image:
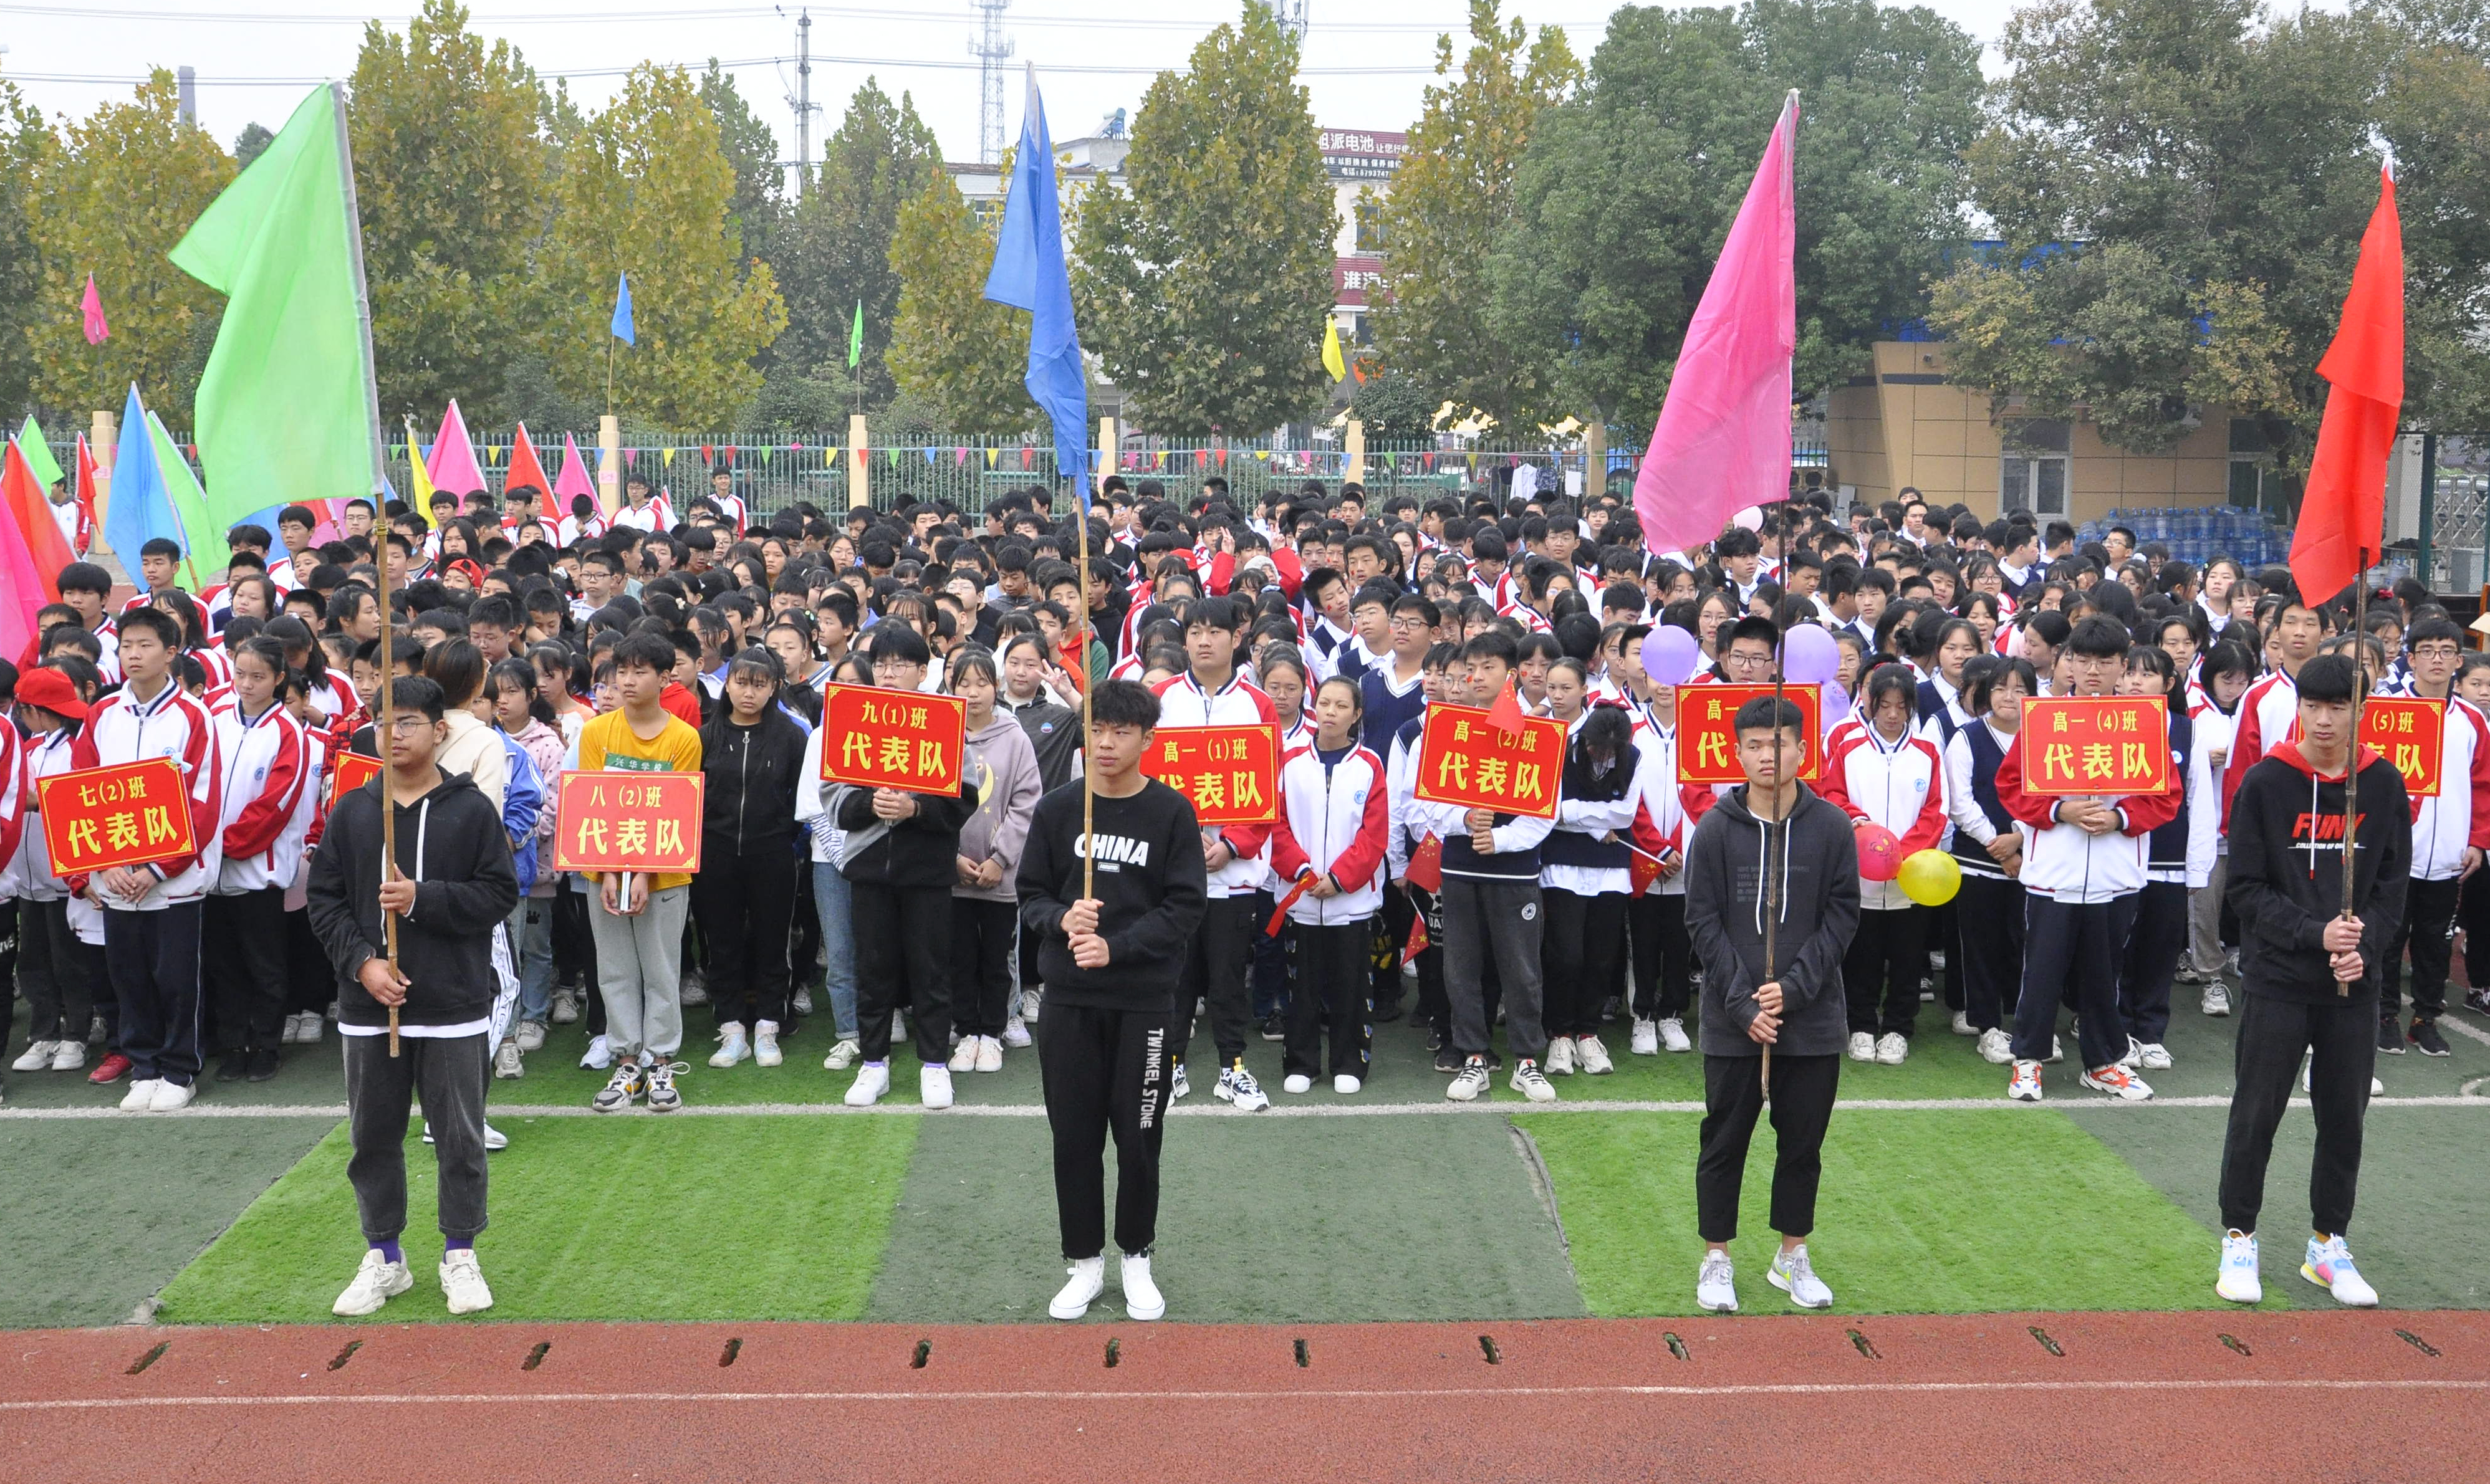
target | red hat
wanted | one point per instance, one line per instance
(52, 690)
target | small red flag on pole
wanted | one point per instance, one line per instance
(2343, 517)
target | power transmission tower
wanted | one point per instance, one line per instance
(802, 102)
(992, 49)
(1292, 15)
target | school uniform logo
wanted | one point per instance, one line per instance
(1113, 852)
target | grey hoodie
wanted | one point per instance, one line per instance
(1817, 893)
(1003, 765)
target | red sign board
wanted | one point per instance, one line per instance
(914, 741)
(130, 814)
(1230, 773)
(1707, 732)
(351, 772)
(1463, 759)
(2095, 746)
(2410, 733)
(629, 820)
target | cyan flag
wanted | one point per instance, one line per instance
(141, 508)
(1028, 274)
(623, 310)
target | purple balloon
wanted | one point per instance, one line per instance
(1809, 655)
(1837, 705)
(1671, 655)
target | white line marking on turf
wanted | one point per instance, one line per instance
(2463, 1027)
(1344, 1394)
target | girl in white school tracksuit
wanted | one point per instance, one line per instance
(1887, 771)
(266, 764)
(1333, 834)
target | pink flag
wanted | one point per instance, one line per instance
(574, 479)
(452, 465)
(22, 587)
(1723, 442)
(92, 305)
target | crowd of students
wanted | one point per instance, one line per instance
(696, 643)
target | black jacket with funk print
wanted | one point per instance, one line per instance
(2286, 873)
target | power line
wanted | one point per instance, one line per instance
(730, 13)
(1083, 68)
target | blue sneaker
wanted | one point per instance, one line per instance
(2330, 1267)
(2237, 1280)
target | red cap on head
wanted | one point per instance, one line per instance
(52, 690)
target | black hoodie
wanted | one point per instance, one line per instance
(451, 844)
(2286, 873)
(1818, 896)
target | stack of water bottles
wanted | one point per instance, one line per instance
(2198, 533)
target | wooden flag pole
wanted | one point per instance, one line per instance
(2352, 756)
(384, 737)
(1089, 789)
(1772, 888)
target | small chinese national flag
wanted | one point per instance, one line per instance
(1417, 943)
(1506, 714)
(1426, 866)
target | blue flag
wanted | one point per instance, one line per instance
(1028, 274)
(623, 310)
(141, 508)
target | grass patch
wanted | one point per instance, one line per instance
(1920, 1213)
(622, 1218)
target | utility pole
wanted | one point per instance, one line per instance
(992, 49)
(804, 104)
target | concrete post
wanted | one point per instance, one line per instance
(609, 465)
(1353, 464)
(859, 463)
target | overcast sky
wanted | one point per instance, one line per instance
(1366, 64)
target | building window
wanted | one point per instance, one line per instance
(1369, 217)
(2251, 464)
(2032, 471)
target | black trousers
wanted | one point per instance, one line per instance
(746, 904)
(1734, 1096)
(1267, 970)
(60, 974)
(153, 959)
(1329, 980)
(2473, 915)
(1945, 933)
(1433, 1007)
(446, 1073)
(2154, 940)
(1663, 955)
(1391, 934)
(1880, 973)
(1580, 947)
(1991, 959)
(242, 948)
(902, 935)
(984, 935)
(2429, 915)
(1214, 970)
(2070, 949)
(311, 978)
(1103, 1071)
(2343, 1045)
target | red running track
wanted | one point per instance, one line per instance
(2183, 1397)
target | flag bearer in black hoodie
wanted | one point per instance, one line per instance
(2309, 972)
(1112, 963)
(451, 884)
(901, 860)
(1793, 1004)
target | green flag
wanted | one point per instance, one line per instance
(286, 413)
(855, 337)
(190, 503)
(39, 454)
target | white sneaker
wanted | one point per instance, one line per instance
(1560, 1057)
(659, 1081)
(933, 1085)
(2025, 1085)
(600, 1054)
(1346, 1085)
(1178, 1088)
(2329, 1266)
(802, 1001)
(1863, 1046)
(290, 1031)
(2057, 1051)
(1016, 1034)
(2154, 1057)
(1996, 1046)
(990, 1054)
(1592, 1056)
(376, 1282)
(1088, 1281)
(1645, 1040)
(2119, 1082)
(1297, 1082)
(1962, 1025)
(531, 1036)
(1794, 1275)
(1530, 1083)
(68, 1056)
(842, 1056)
(312, 1025)
(2236, 1278)
(695, 989)
(507, 1064)
(1142, 1300)
(765, 1045)
(2134, 1057)
(1031, 998)
(38, 1057)
(1673, 1036)
(1469, 1082)
(142, 1095)
(566, 1008)
(1716, 1285)
(2217, 998)
(1893, 1049)
(1237, 1086)
(871, 1081)
(732, 1047)
(964, 1056)
(462, 1281)
(172, 1097)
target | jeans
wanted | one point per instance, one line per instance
(531, 935)
(834, 904)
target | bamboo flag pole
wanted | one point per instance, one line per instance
(1088, 744)
(384, 736)
(1772, 888)
(2352, 758)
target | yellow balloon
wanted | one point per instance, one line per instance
(1930, 878)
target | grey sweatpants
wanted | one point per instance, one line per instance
(639, 971)
(1485, 917)
(2205, 920)
(448, 1074)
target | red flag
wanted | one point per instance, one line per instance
(1506, 714)
(25, 497)
(1426, 866)
(1417, 943)
(86, 471)
(2343, 517)
(526, 471)
(1280, 913)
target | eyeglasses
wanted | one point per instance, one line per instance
(406, 723)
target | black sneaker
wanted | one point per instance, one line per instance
(236, 1063)
(263, 1063)
(1273, 1030)
(2426, 1035)
(2391, 1037)
(1447, 1059)
(1387, 1012)
(1435, 1038)
(2478, 1001)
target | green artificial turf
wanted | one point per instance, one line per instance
(1919, 1213)
(624, 1218)
(97, 1214)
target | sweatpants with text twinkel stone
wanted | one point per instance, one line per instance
(1105, 1071)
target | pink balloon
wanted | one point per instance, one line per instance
(1809, 655)
(1749, 519)
(1671, 655)
(1880, 854)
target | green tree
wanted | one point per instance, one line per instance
(836, 250)
(1626, 192)
(253, 138)
(110, 197)
(650, 165)
(1202, 280)
(951, 347)
(753, 150)
(23, 139)
(1394, 405)
(454, 178)
(1449, 206)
